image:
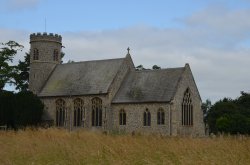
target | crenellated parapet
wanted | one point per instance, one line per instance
(45, 37)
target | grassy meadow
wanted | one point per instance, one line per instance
(58, 147)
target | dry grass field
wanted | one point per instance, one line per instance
(57, 147)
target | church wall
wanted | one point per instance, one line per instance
(134, 118)
(197, 129)
(50, 108)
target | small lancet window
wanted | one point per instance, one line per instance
(160, 117)
(146, 118)
(55, 55)
(187, 109)
(60, 113)
(122, 117)
(35, 54)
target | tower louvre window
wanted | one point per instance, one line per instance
(187, 109)
(55, 55)
(36, 54)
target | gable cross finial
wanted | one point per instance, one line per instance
(128, 50)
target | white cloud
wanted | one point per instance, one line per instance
(222, 21)
(16, 5)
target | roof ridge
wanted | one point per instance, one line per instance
(93, 61)
(158, 70)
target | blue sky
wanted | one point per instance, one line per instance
(78, 15)
(213, 36)
(94, 15)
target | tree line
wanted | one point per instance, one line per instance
(231, 116)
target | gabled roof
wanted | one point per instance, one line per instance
(82, 78)
(149, 86)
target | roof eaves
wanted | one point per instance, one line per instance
(72, 63)
(44, 96)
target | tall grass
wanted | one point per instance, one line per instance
(54, 146)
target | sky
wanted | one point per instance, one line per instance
(213, 36)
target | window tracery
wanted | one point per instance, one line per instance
(96, 112)
(60, 113)
(187, 109)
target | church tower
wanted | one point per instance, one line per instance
(45, 54)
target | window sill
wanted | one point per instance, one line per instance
(187, 125)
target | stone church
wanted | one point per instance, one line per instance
(111, 95)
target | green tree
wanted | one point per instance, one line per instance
(244, 103)
(233, 124)
(7, 108)
(30, 109)
(20, 110)
(230, 116)
(21, 76)
(155, 67)
(7, 52)
(223, 124)
(220, 108)
(140, 67)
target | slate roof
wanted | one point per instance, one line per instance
(82, 78)
(149, 86)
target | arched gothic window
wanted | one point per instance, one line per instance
(78, 112)
(187, 109)
(96, 112)
(60, 113)
(55, 55)
(146, 118)
(122, 117)
(160, 117)
(35, 54)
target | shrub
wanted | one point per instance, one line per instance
(20, 110)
